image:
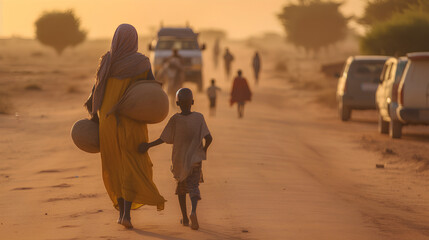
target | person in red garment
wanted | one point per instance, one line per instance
(240, 93)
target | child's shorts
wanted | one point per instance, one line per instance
(191, 184)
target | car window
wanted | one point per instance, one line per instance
(400, 69)
(366, 70)
(385, 71)
(176, 44)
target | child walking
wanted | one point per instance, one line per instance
(212, 94)
(186, 131)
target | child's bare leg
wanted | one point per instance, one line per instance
(193, 216)
(194, 194)
(194, 201)
(126, 220)
(182, 202)
(121, 209)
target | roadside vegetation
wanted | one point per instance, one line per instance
(59, 30)
(313, 24)
(395, 27)
(382, 10)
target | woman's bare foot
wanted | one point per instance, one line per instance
(194, 221)
(184, 222)
(119, 220)
(127, 223)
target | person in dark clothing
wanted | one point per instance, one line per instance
(240, 93)
(256, 64)
(228, 59)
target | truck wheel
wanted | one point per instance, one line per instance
(344, 112)
(383, 126)
(395, 129)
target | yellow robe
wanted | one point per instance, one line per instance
(126, 172)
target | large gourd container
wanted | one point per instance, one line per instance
(85, 135)
(144, 101)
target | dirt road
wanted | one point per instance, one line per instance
(288, 170)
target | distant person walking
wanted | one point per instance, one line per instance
(228, 59)
(127, 175)
(216, 52)
(173, 71)
(212, 94)
(240, 93)
(256, 64)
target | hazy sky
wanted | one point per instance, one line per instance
(240, 18)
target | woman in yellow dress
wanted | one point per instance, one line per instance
(127, 174)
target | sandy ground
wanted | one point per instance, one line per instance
(289, 170)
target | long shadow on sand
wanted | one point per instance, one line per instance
(364, 121)
(214, 234)
(218, 235)
(155, 235)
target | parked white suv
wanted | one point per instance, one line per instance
(358, 83)
(185, 40)
(387, 93)
(413, 94)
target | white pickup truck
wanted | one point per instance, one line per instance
(413, 94)
(185, 40)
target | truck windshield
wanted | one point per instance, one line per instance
(176, 44)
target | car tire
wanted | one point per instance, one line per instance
(395, 129)
(383, 126)
(344, 112)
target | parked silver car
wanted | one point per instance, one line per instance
(358, 83)
(413, 94)
(387, 93)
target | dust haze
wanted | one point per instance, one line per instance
(289, 168)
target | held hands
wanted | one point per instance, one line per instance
(143, 147)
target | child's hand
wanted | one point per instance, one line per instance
(143, 147)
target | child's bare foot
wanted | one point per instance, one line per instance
(184, 222)
(127, 223)
(194, 221)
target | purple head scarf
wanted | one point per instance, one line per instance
(122, 61)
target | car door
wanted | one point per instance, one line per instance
(388, 85)
(382, 91)
(341, 86)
